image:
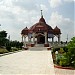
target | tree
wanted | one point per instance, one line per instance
(69, 56)
(71, 43)
(3, 39)
(16, 44)
(3, 34)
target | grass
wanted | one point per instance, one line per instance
(2, 50)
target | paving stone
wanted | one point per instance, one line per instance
(27, 62)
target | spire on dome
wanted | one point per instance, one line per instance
(41, 13)
(42, 19)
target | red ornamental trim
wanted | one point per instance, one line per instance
(60, 67)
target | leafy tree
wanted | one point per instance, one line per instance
(16, 44)
(3, 34)
(64, 61)
(67, 58)
(8, 48)
(3, 39)
(71, 43)
(70, 55)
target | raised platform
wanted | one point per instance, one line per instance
(46, 45)
(38, 45)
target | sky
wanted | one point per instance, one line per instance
(15, 15)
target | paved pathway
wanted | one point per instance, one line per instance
(31, 62)
(64, 72)
(27, 62)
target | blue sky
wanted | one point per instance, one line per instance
(15, 15)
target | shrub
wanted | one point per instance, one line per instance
(56, 49)
(71, 43)
(2, 50)
(8, 48)
(61, 51)
(67, 58)
(65, 49)
(72, 50)
(14, 49)
(63, 61)
(71, 54)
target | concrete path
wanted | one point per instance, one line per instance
(64, 72)
(27, 62)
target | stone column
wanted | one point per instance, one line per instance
(45, 37)
(28, 39)
(25, 41)
(52, 40)
(59, 39)
(36, 40)
(33, 38)
(22, 38)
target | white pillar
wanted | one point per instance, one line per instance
(36, 40)
(33, 38)
(52, 40)
(24, 41)
(28, 39)
(22, 38)
(45, 37)
(59, 39)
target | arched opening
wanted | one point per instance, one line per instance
(40, 39)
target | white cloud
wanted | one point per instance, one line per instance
(14, 18)
(43, 7)
(65, 24)
(17, 14)
(55, 3)
(69, 0)
(25, 4)
(55, 19)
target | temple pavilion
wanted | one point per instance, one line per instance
(40, 32)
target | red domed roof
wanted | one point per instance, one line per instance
(41, 26)
(56, 30)
(42, 19)
(25, 31)
(50, 29)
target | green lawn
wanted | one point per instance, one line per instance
(2, 50)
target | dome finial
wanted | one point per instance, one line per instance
(41, 14)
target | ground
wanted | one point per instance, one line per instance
(30, 62)
(27, 62)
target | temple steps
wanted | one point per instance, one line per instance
(38, 48)
(39, 45)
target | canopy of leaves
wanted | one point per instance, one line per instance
(68, 57)
(71, 43)
(3, 34)
(3, 39)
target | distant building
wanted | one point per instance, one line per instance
(41, 31)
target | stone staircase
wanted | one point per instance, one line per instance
(38, 48)
(39, 45)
